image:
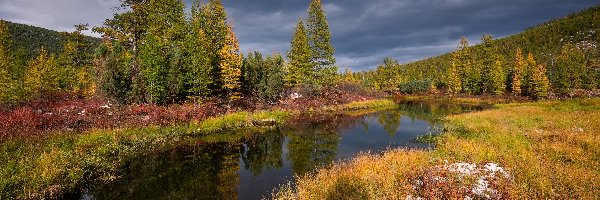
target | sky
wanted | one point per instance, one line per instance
(363, 31)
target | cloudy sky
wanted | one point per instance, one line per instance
(363, 31)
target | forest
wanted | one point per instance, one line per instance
(176, 57)
(563, 51)
(156, 53)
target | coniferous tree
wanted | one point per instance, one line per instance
(487, 62)
(230, 67)
(114, 69)
(213, 21)
(454, 80)
(528, 68)
(155, 68)
(497, 77)
(6, 82)
(75, 63)
(300, 68)
(198, 64)
(319, 37)
(540, 84)
(348, 76)
(517, 73)
(271, 85)
(468, 72)
(42, 75)
(569, 67)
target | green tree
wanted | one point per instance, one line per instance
(113, 65)
(213, 21)
(198, 65)
(299, 68)
(517, 73)
(540, 84)
(155, 68)
(41, 77)
(231, 64)
(569, 67)
(319, 37)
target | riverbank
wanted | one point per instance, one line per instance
(543, 150)
(55, 164)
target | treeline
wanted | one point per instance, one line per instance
(154, 52)
(566, 49)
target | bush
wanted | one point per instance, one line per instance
(417, 86)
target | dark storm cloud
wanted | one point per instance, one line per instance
(364, 31)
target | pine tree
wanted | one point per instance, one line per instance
(517, 73)
(454, 80)
(299, 68)
(319, 36)
(42, 75)
(6, 82)
(231, 64)
(487, 61)
(539, 82)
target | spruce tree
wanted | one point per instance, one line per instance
(487, 62)
(299, 68)
(517, 72)
(6, 82)
(230, 67)
(319, 37)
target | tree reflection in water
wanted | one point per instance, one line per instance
(212, 170)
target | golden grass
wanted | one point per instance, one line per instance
(552, 149)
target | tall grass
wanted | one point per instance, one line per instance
(551, 149)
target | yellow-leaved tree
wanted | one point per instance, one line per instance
(517, 72)
(231, 66)
(41, 76)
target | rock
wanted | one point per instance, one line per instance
(295, 95)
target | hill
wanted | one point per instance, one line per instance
(544, 41)
(27, 39)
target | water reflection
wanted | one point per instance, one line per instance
(252, 167)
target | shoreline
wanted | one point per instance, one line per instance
(55, 164)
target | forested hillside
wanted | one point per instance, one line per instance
(569, 41)
(28, 39)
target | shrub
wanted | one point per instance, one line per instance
(417, 86)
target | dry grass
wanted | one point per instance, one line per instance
(551, 149)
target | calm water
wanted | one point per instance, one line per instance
(252, 168)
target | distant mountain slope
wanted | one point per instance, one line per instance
(29, 39)
(544, 41)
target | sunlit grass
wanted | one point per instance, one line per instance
(551, 149)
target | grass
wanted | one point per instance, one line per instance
(47, 167)
(551, 150)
